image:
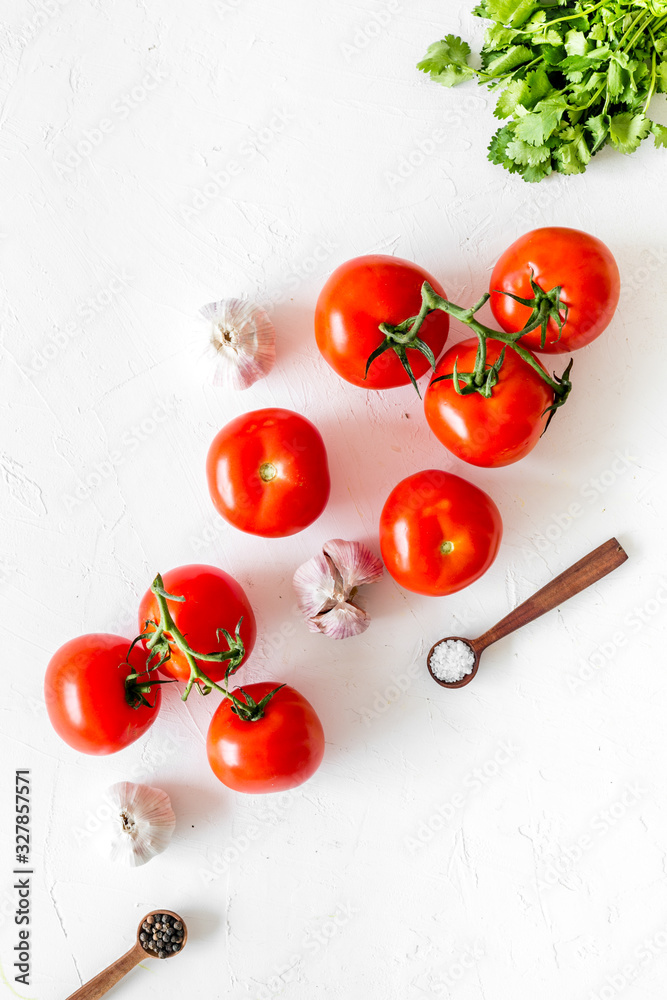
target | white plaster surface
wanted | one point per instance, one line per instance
(436, 851)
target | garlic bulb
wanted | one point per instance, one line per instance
(243, 342)
(326, 588)
(139, 826)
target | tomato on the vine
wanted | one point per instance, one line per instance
(213, 600)
(356, 299)
(438, 533)
(98, 697)
(273, 753)
(578, 264)
(268, 472)
(488, 431)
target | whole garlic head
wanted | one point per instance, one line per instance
(243, 342)
(326, 588)
(140, 824)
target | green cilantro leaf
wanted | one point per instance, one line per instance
(660, 134)
(515, 56)
(573, 155)
(498, 149)
(527, 155)
(576, 43)
(661, 73)
(511, 12)
(537, 173)
(499, 37)
(599, 129)
(627, 130)
(538, 125)
(447, 61)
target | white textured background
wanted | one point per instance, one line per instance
(422, 860)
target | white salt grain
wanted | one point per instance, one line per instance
(452, 660)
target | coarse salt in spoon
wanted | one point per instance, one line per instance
(454, 661)
(103, 982)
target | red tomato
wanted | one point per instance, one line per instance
(86, 697)
(279, 751)
(489, 432)
(359, 296)
(213, 600)
(581, 264)
(438, 533)
(268, 473)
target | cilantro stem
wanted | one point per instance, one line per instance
(559, 20)
(654, 77)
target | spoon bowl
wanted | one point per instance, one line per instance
(583, 574)
(155, 913)
(468, 677)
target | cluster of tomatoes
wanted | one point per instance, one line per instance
(102, 693)
(380, 322)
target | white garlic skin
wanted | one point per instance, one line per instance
(140, 825)
(327, 584)
(242, 343)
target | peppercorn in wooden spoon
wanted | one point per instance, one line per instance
(161, 934)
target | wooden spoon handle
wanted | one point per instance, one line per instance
(98, 986)
(587, 571)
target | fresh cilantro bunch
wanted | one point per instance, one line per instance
(574, 76)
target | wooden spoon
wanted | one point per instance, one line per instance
(583, 574)
(103, 982)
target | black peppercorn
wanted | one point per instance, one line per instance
(161, 934)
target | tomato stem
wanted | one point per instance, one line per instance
(401, 338)
(165, 633)
(483, 378)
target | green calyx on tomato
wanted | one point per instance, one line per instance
(400, 339)
(138, 685)
(164, 633)
(89, 703)
(545, 306)
(484, 377)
